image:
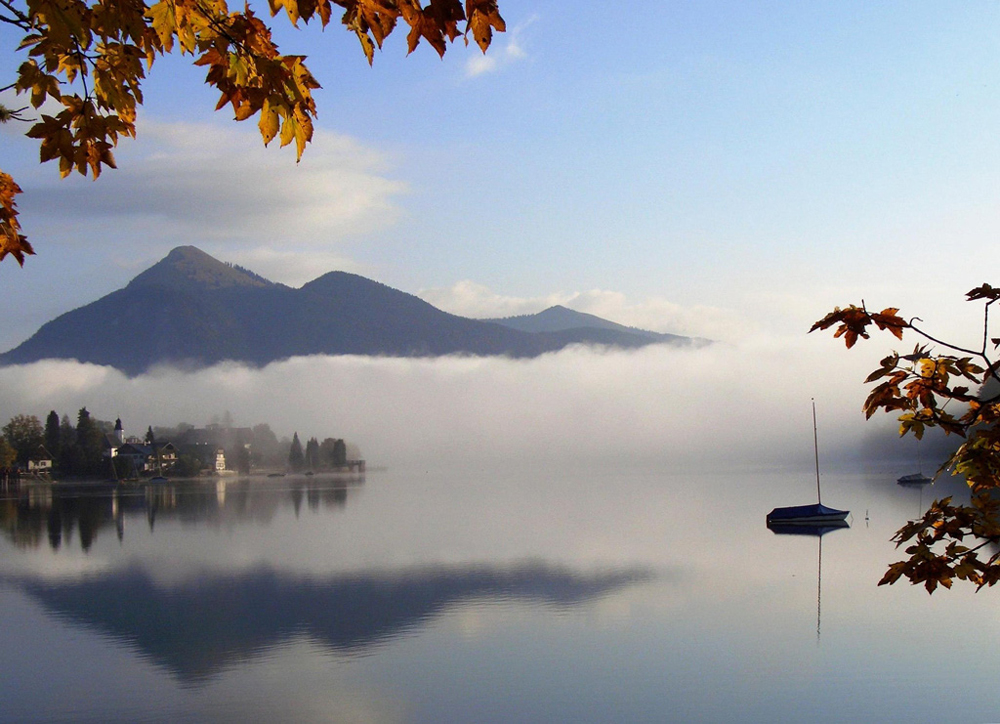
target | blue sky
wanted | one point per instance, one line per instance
(754, 163)
(725, 169)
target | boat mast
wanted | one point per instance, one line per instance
(819, 499)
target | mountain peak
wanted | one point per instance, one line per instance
(189, 267)
(191, 309)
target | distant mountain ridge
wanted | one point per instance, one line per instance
(561, 319)
(192, 310)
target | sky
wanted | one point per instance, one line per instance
(719, 169)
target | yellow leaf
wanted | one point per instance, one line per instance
(268, 123)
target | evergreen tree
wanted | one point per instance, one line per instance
(52, 436)
(326, 452)
(150, 437)
(296, 457)
(67, 445)
(312, 454)
(88, 441)
(339, 453)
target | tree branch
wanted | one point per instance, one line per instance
(986, 326)
(15, 22)
(21, 20)
(935, 340)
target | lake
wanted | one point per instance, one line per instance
(500, 594)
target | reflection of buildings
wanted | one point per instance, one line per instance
(198, 627)
(54, 512)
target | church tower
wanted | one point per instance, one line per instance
(119, 431)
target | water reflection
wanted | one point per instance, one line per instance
(200, 626)
(655, 596)
(812, 530)
(36, 513)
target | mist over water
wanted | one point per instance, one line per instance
(720, 407)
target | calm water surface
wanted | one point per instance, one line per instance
(480, 596)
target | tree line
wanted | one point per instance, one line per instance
(75, 449)
(331, 453)
(80, 449)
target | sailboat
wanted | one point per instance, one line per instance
(917, 478)
(815, 514)
(914, 479)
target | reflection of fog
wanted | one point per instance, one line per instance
(198, 627)
(52, 512)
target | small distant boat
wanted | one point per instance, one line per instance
(157, 479)
(275, 475)
(915, 479)
(815, 514)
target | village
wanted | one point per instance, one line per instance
(96, 450)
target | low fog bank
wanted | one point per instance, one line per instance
(720, 407)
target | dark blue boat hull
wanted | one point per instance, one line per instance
(815, 513)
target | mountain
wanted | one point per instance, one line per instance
(192, 310)
(559, 319)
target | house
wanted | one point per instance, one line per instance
(160, 457)
(40, 461)
(135, 455)
(167, 454)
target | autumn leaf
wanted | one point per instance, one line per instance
(483, 18)
(983, 291)
(11, 240)
(852, 323)
(887, 319)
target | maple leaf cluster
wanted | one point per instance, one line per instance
(921, 386)
(12, 241)
(91, 56)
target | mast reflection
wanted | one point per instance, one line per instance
(817, 530)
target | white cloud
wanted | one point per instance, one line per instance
(480, 64)
(218, 183)
(501, 53)
(470, 299)
(291, 267)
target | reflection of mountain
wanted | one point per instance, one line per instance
(51, 513)
(198, 627)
